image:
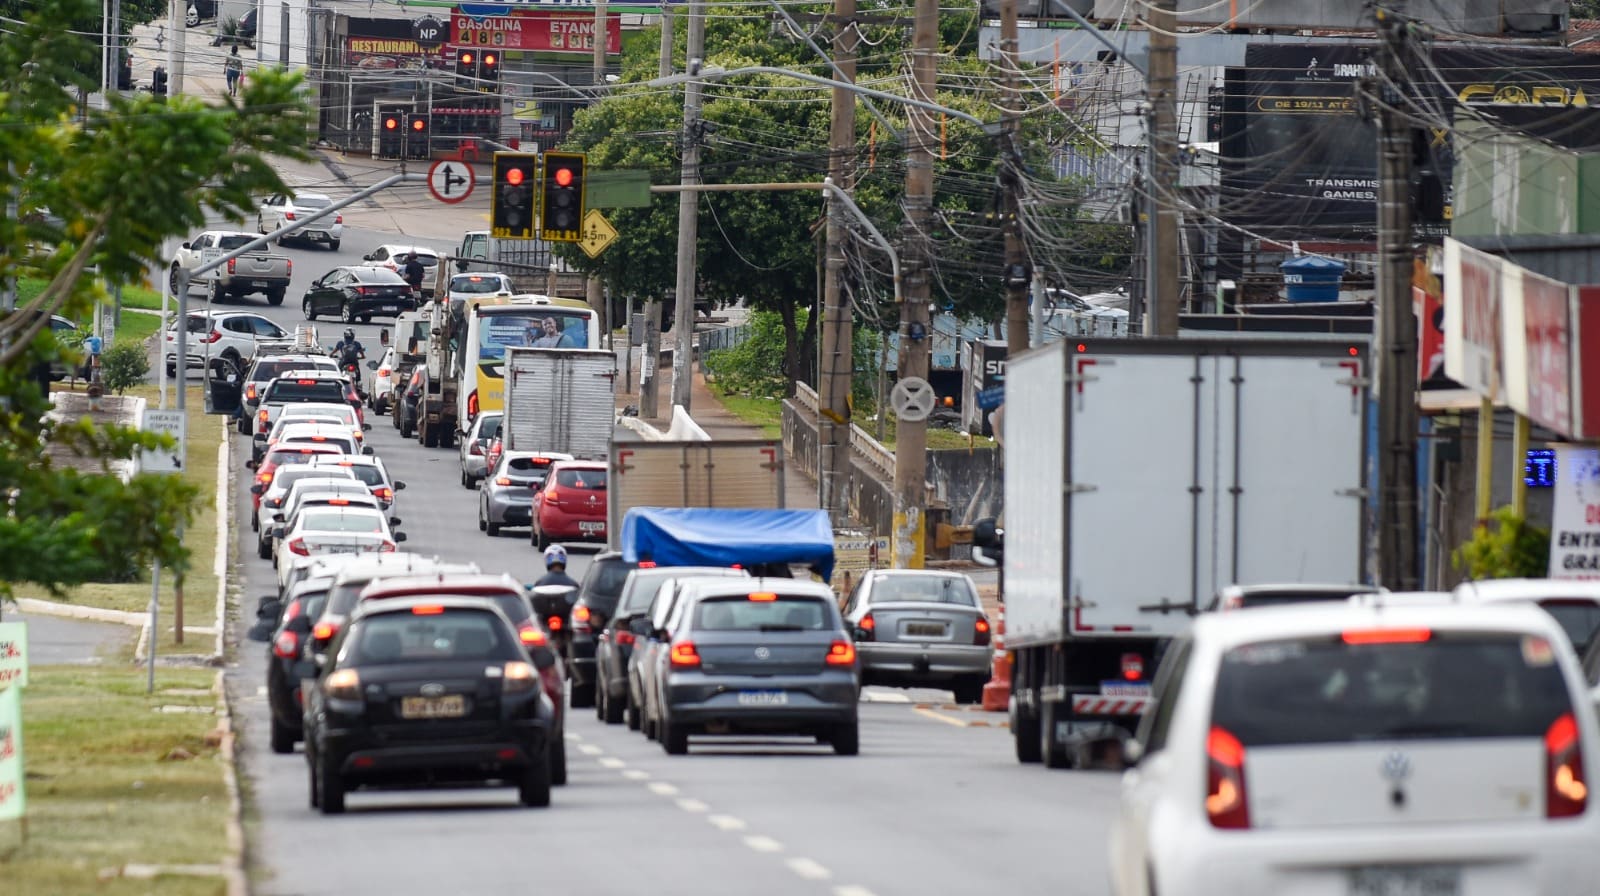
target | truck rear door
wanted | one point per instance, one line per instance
(692, 474)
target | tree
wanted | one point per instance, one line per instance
(103, 188)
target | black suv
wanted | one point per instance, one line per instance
(433, 690)
(597, 600)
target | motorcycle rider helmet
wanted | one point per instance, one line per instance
(555, 554)
(349, 334)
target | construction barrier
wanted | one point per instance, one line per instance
(997, 692)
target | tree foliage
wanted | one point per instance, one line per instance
(102, 189)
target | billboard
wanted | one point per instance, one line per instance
(1585, 331)
(1537, 352)
(1472, 319)
(534, 31)
(1575, 520)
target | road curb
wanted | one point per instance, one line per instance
(73, 611)
(233, 862)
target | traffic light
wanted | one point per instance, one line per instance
(511, 208)
(158, 81)
(466, 69)
(561, 203)
(391, 132)
(488, 71)
(417, 136)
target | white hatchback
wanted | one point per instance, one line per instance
(1371, 748)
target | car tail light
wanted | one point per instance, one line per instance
(297, 546)
(519, 677)
(475, 449)
(387, 547)
(288, 216)
(362, 290)
(261, 417)
(626, 638)
(472, 403)
(287, 646)
(383, 371)
(288, 266)
(841, 653)
(540, 461)
(324, 631)
(343, 684)
(338, 219)
(1225, 797)
(553, 497)
(264, 477)
(1132, 667)
(503, 480)
(250, 392)
(553, 623)
(1387, 636)
(1566, 790)
(580, 619)
(980, 631)
(230, 264)
(867, 628)
(214, 336)
(647, 564)
(383, 493)
(531, 636)
(685, 656)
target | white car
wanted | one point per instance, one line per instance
(340, 415)
(336, 434)
(230, 336)
(393, 257)
(284, 209)
(277, 492)
(371, 471)
(1389, 744)
(313, 493)
(332, 530)
(474, 447)
(475, 284)
(381, 389)
(1574, 604)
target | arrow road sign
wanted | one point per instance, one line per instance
(597, 233)
(451, 180)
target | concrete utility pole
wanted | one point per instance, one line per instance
(837, 375)
(1162, 286)
(594, 290)
(688, 214)
(650, 362)
(1397, 356)
(911, 437)
(1018, 272)
(179, 48)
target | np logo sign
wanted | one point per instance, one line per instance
(429, 31)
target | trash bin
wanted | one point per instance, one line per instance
(1311, 278)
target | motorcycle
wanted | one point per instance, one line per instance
(553, 605)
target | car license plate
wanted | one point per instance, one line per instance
(590, 528)
(391, 308)
(450, 706)
(763, 698)
(342, 548)
(261, 283)
(927, 629)
(1124, 689)
(1411, 880)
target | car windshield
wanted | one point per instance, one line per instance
(761, 613)
(1423, 685)
(475, 284)
(927, 589)
(594, 480)
(548, 327)
(453, 634)
(341, 521)
(304, 390)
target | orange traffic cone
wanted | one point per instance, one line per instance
(997, 692)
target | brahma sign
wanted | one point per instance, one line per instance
(534, 31)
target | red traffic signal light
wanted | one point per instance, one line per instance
(562, 206)
(466, 58)
(419, 125)
(391, 122)
(563, 177)
(514, 177)
(490, 60)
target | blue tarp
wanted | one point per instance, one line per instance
(706, 536)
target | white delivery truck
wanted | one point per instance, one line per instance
(559, 400)
(1142, 476)
(745, 473)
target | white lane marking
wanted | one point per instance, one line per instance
(873, 695)
(261, 691)
(574, 737)
(852, 890)
(662, 788)
(590, 749)
(635, 774)
(808, 869)
(760, 843)
(727, 822)
(689, 804)
(611, 762)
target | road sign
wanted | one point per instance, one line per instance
(451, 180)
(912, 399)
(164, 460)
(597, 233)
(991, 398)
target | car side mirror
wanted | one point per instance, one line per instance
(277, 518)
(399, 486)
(277, 532)
(1132, 752)
(543, 657)
(249, 465)
(366, 427)
(461, 265)
(372, 365)
(394, 521)
(399, 537)
(368, 450)
(186, 245)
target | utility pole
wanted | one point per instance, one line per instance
(1397, 357)
(688, 213)
(650, 360)
(837, 372)
(911, 437)
(1162, 286)
(594, 290)
(1017, 272)
(179, 22)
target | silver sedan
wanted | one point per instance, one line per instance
(920, 628)
(505, 496)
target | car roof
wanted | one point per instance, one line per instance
(1496, 590)
(344, 510)
(302, 448)
(333, 375)
(298, 473)
(342, 430)
(1429, 610)
(686, 572)
(350, 460)
(309, 583)
(307, 194)
(454, 583)
(578, 465)
(369, 608)
(918, 573)
(527, 455)
(722, 586)
(346, 489)
(403, 247)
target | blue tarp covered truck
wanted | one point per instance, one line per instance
(758, 540)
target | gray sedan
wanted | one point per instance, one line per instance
(917, 628)
(758, 655)
(505, 496)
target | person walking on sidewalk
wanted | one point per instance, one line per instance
(233, 67)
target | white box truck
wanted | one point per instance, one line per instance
(1141, 477)
(559, 400)
(745, 473)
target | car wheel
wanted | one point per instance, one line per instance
(255, 523)
(275, 297)
(172, 281)
(633, 717)
(306, 309)
(674, 738)
(611, 709)
(191, 18)
(582, 694)
(533, 788)
(314, 795)
(334, 245)
(330, 788)
(264, 548)
(493, 529)
(1024, 733)
(483, 518)
(649, 728)
(348, 314)
(1051, 751)
(466, 481)
(846, 739)
(558, 761)
(214, 291)
(430, 436)
(539, 541)
(282, 738)
(969, 691)
(366, 318)
(244, 426)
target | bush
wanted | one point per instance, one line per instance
(1505, 547)
(125, 365)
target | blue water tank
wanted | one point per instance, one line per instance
(1311, 278)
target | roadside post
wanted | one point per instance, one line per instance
(13, 678)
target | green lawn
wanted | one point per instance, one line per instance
(132, 296)
(102, 791)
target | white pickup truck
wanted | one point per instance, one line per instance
(256, 272)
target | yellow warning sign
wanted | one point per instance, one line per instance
(597, 233)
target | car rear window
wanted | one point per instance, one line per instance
(1435, 685)
(286, 456)
(453, 634)
(473, 284)
(311, 202)
(237, 242)
(345, 446)
(761, 613)
(343, 522)
(525, 466)
(928, 589)
(594, 480)
(310, 390)
(290, 477)
(489, 429)
(646, 586)
(369, 474)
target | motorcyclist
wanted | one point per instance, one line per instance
(349, 351)
(555, 562)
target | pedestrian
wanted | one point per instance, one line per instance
(413, 272)
(233, 67)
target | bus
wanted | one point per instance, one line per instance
(526, 320)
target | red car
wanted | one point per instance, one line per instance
(572, 504)
(277, 457)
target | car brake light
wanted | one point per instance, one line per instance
(530, 635)
(980, 631)
(305, 382)
(685, 656)
(262, 416)
(581, 614)
(342, 684)
(287, 646)
(214, 336)
(288, 266)
(383, 371)
(293, 611)
(288, 216)
(250, 392)
(383, 493)
(519, 677)
(867, 628)
(647, 564)
(427, 610)
(1225, 798)
(626, 638)
(264, 477)
(476, 449)
(298, 546)
(1388, 636)
(230, 264)
(362, 290)
(472, 403)
(387, 547)
(324, 631)
(1132, 666)
(763, 597)
(841, 653)
(503, 480)
(338, 219)
(541, 461)
(553, 623)
(1566, 790)
(553, 496)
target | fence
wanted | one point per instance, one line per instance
(721, 338)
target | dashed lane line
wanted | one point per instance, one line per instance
(635, 774)
(808, 869)
(726, 822)
(611, 762)
(689, 804)
(590, 749)
(662, 788)
(852, 891)
(761, 843)
(937, 717)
